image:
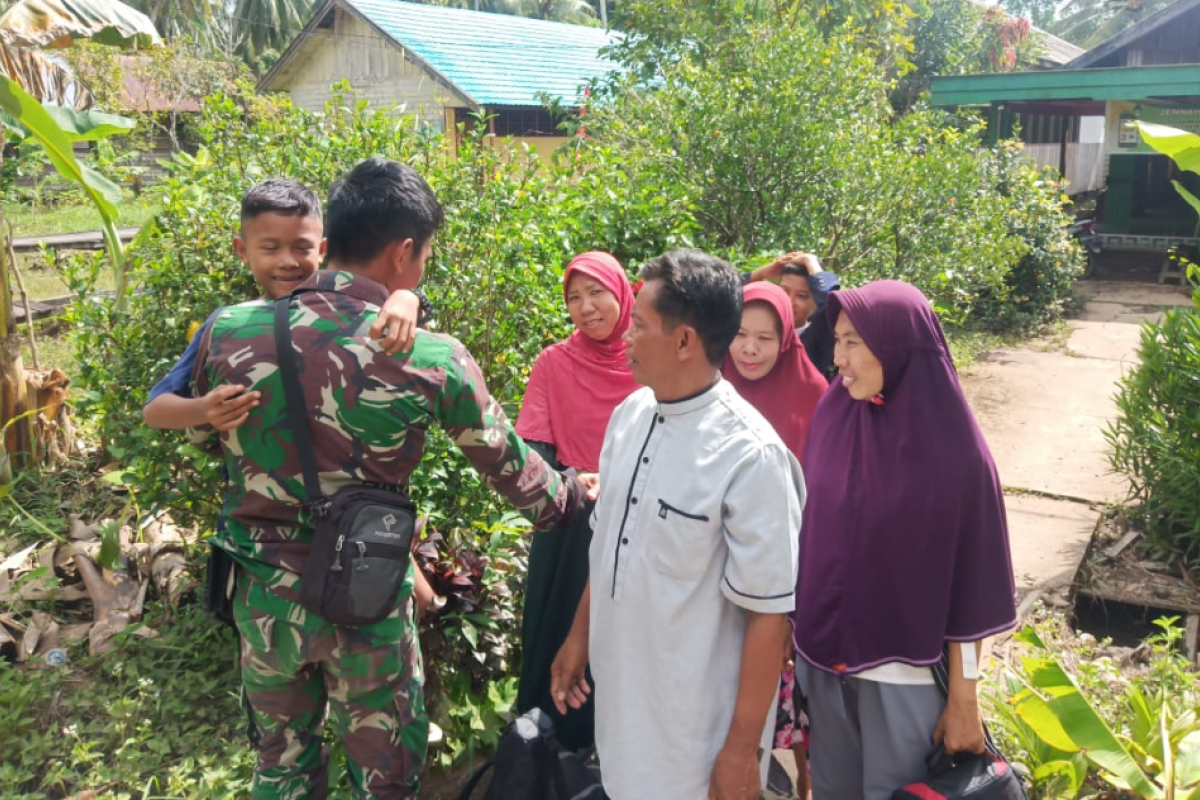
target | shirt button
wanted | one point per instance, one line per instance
(645, 459)
(624, 541)
(633, 500)
(662, 418)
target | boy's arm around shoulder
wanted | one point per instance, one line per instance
(174, 405)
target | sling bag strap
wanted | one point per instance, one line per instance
(294, 396)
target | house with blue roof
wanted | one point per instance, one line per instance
(443, 64)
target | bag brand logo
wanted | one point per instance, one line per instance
(389, 521)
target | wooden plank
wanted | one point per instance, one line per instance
(1148, 589)
(1126, 540)
(1191, 637)
(53, 306)
(84, 240)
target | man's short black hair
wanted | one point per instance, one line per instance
(281, 196)
(792, 268)
(377, 203)
(701, 291)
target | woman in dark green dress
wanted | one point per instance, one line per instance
(572, 391)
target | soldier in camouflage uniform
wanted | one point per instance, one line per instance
(369, 416)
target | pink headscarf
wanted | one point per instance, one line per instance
(576, 384)
(787, 395)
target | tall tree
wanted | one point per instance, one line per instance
(177, 18)
(261, 25)
(1087, 23)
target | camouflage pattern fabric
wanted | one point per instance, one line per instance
(294, 662)
(368, 416)
(370, 413)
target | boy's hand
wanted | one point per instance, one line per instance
(396, 325)
(226, 407)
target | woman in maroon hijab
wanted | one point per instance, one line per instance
(904, 557)
(770, 368)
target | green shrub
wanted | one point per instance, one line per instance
(1038, 288)
(779, 134)
(1072, 721)
(1156, 435)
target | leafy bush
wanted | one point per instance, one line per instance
(776, 128)
(1156, 435)
(1038, 288)
(472, 643)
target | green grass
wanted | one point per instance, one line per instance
(74, 217)
(53, 347)
(43, 280)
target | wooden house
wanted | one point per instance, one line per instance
(1151, 72)
(443, 64)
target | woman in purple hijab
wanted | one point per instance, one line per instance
(904, 552)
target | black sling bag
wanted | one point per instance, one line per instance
(361, 535)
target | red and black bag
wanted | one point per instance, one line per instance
(986, 776)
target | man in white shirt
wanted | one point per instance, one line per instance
(693, 556)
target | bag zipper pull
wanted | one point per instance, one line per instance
(361, 565)
(337, 554)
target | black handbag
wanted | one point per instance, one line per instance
(983, 776)
(530, 764)
(362, 535)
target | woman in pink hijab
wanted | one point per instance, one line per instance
(572, 391)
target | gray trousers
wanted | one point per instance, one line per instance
(866, 739)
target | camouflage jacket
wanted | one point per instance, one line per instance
(369, 414)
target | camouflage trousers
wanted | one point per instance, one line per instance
(296, 668)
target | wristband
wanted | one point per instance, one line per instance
(970, 665)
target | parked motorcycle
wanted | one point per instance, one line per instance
(1087, 231)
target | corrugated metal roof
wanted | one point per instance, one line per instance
(1058, 51)
(496, 59)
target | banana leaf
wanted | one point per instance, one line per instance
(78, 126)
(1181, 146)
(1059, 713)
(105, 194)
(58, 23)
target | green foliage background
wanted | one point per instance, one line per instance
(777, 128)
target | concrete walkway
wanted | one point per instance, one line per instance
(1043, 409)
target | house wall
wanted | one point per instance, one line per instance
(1177, 43)
(374, 66)
(1173, 43)
(1085, 163)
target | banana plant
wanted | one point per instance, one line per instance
(1183, 148)
(56, 130)
(1158, 758)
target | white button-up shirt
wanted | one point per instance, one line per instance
(698, 522)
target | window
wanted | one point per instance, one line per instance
(523, 121)
(1047, 128)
